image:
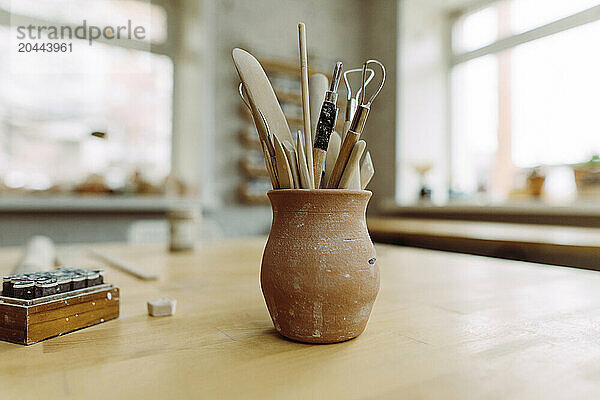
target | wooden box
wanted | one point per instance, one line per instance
(30, 321)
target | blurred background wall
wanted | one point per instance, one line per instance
(101, 147)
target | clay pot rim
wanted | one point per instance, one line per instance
(320, 191)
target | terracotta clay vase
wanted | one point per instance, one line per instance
(319, 276)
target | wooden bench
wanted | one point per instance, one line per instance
(550, 244)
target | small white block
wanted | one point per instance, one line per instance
(161, 307)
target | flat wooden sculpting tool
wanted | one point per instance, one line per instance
(260, 93)
(367, 170)
(270, 167)
(290, 152)
(353, 167)
(332, 153)
(284, 174)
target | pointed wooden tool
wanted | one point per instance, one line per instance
(284, 174)
(332, 153)
(260, 93)
(290, 152)
(352, 167)
(303, 173)
(305, 100)
(367, 170)
(270, 166)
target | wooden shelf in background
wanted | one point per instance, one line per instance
(249, 169)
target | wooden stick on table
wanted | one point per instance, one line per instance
(305, 101)
(131, 269)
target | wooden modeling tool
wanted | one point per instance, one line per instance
(305, 100)
(123, 266)
(335, 141)
(358, 123)
(352, 167)
(290, 152)
(284, 174)
(259, 121)
(367, 170)
(260, 93)
(327, 119)
(303, 172)
(270, 167)
(317, 86)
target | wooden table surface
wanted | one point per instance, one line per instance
(445, 325)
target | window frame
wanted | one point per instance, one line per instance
(454, 59)
(169, 48)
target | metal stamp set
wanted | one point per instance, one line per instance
(38, 305)
(319, 157)
(34, 285)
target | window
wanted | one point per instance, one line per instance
(50, 104)
(525, 91)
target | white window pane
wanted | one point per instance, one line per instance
(48, 119)
(475, 30)
(510, 17)
(529, 14)
(474, 115)
(555, 95)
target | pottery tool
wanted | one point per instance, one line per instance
(260, 93)
(367, 170)
(352, 102)
(39, 305)
(262, 127)
(123, 266)
(353, 166)
(317, 86)
(358, 123)
(335, 141)
(290, 153)
(162, 307)
(284, 173)
(327, 119)
(305, 101)
(303, 172)
(259, 121)
(39, 255)
(270, 167)
(265, 138)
